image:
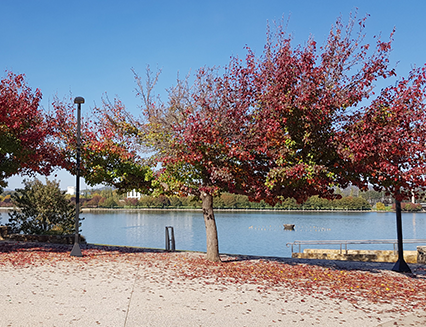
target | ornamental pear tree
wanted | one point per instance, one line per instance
(198, 139)
(385, 144)
(265, 128)
(26, 146)
(107, 155)
(299, 97)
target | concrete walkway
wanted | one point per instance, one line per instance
(132, 293)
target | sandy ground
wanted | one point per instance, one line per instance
(137, 289)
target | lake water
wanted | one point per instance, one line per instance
(247, 232)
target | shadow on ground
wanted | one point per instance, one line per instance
(418, 270)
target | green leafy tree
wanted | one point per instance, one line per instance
(175, 201)
(353, 203)
(316, 203)
(241, 201)
(42, 209)
(108, 203)
(229, 200)
(288, 204)
(146, 201)
(161, 201)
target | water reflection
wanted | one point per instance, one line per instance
(414, 226)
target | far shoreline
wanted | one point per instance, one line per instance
(88, 210)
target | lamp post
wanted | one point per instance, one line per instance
(400, 265)
(76, 252)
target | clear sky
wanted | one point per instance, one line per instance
(88, 47)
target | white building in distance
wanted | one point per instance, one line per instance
(133, 195)
(70, 190)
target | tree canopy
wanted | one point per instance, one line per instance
(300, 95)
(385, 142)
(109, 155)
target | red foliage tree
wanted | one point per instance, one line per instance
(299, 97)
(266, 128)
(197, 137)
(25, 143)
(385, 144)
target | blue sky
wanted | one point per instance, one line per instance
(88, 48)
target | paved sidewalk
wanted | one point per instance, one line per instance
(125, 291)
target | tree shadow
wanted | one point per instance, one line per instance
(13, 246)
(418, 270)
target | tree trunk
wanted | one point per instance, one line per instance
(211, 230)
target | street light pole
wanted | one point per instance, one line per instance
(400, 265)
(76, 251)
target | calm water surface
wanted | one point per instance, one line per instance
(254, 233)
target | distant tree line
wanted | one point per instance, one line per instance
(352, 199)
(111, 199)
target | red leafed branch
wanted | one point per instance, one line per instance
(109, 155)
(299, 97)
(26, 145)
(386, 142)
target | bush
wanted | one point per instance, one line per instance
(409, 207)
(380, 206)
(43, 209)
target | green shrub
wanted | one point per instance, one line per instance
(41, 209)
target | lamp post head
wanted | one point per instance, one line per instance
(79, 100)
